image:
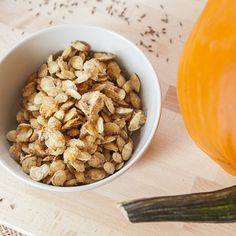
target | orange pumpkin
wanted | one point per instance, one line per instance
(207, 82)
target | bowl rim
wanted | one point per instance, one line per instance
(142, 149)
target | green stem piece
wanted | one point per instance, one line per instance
(218, 206)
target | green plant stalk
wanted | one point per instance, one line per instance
(218, 206)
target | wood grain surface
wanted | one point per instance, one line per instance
(171, 165)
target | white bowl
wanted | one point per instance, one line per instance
(28, 55)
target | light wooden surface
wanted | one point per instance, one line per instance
(171, 165)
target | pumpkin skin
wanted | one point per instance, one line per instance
(207, 83)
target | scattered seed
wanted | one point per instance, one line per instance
(163, 30)
(123, 12)
(93, 10)
(165, 20)
(127, 20)
(74, 4)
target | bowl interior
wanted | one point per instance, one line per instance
(26, 58)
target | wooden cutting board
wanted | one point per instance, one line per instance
(171, 165)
